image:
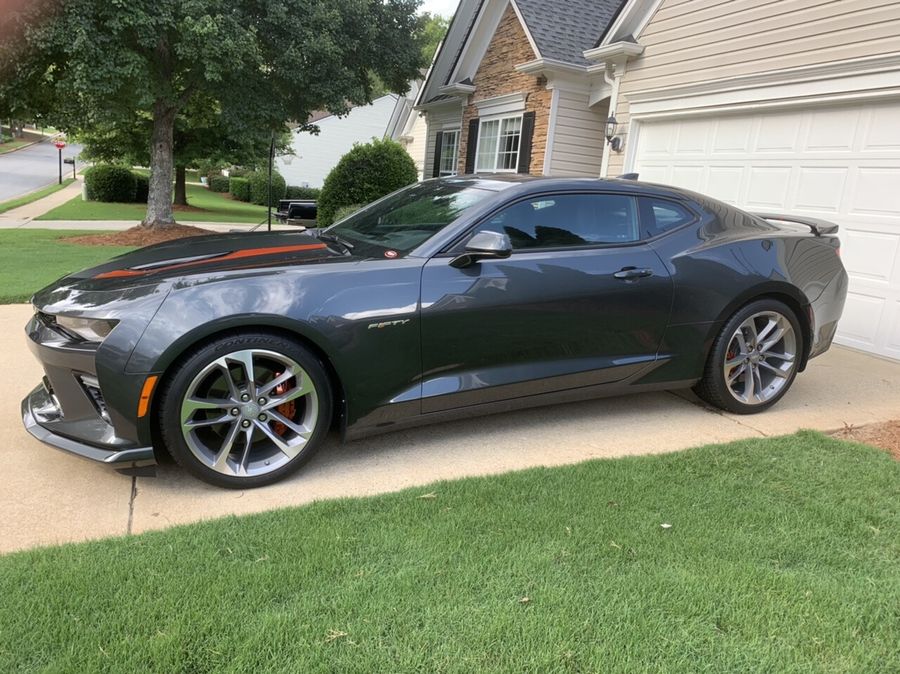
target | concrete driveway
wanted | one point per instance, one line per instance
(49, 497)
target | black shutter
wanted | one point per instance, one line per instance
(471, 145)
(525, 142)
(438, 144)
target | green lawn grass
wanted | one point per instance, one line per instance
(34, 196)
(11, 144)
(33, 258)
(783, 556)
(215, 208)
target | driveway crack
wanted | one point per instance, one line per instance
(131, 503)
(715, 410)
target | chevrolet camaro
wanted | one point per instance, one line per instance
(237, 353)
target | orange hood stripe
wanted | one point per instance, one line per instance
(236, 255)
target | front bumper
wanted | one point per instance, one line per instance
(69, 411)
(43, 419)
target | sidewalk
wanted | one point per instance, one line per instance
(18, 217)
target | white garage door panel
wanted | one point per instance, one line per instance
(837, 163)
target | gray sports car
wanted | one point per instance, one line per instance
(451, 297)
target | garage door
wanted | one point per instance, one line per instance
(837, 163)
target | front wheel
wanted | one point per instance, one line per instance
(246, 410)
(754, 360)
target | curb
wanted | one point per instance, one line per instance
(23, 147)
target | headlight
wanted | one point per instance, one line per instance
(89, 329)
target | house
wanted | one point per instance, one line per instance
(314, 155)
(789, 106)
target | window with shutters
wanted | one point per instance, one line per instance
(449, 151)
(499, 140)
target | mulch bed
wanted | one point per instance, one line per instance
(138, 236)
(886, 436)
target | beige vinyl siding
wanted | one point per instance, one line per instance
(577, 136)
(690, 41)
(416, 147)
(437, 119)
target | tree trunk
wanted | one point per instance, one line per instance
(159, 200)
(180, 186)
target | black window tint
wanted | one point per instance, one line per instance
(659, 215)
(561, 220)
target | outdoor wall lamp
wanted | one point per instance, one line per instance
(615, 142)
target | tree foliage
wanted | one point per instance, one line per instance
(225, 71)
(366, 173)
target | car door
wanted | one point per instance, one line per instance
(580, 301)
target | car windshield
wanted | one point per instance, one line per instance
(401, 222)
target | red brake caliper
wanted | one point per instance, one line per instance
(287, 410)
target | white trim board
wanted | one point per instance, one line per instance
(505, 104)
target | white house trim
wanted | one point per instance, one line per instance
(631, 21)
(506, 104)
(479, 39)
(551, 130)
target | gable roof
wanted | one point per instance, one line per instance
(564, 32)
(559, 32)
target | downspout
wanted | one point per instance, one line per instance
(613, 82)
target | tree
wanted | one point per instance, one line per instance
(92, 65)
(200, 137)
(432, 29)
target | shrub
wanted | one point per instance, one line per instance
(218, 183)
(344, 212)
(365, 174)
(259, 187)
(295, 192)
(105, 182)
(239, 172)
(141, 188)
(239, 188)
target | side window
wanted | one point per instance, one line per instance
(660, 215)
(562, 220)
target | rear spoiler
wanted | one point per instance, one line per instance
(818, 227)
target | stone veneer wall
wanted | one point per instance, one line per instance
(497, 76)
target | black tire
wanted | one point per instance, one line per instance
(713, 387)
(177, 383)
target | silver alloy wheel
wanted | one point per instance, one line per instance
(760, 358)
(249, 412)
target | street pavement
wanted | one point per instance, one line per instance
(48, 497)
(31, 168)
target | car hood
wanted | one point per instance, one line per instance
(153, 269)
(213, 253)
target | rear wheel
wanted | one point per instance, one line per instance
(246, 410)
(754, 360)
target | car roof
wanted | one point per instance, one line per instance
(526, 184)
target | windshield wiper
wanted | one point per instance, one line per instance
(334, 238)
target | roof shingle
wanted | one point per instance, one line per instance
(563, 31)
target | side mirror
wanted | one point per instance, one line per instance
(485, 245)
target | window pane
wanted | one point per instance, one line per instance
(487, 145)
(510, 136)
(659, 215)
(449, 150)
(568, 220)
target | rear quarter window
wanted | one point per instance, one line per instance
(659, 216)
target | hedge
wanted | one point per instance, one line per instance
(105, 182)
(345, 212)
(218, 183)
(239, 188)
(296, 192)
(259, 187)
(366, 173)
(141, 188)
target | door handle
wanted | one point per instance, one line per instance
(628, 273)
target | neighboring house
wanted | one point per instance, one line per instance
(790, 106)
(314, 155)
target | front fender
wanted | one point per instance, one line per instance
(334, 307)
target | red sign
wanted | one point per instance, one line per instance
(60, 144)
